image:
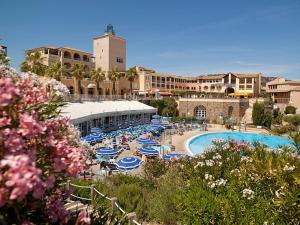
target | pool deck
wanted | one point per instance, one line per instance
(178, 141)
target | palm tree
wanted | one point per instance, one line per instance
(3, 58)
(295, 138)
(78, 71)
(56, 71)
(131, 75)
(98, 76)
(34, 63)
(114, 75)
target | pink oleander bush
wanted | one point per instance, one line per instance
(39, 149)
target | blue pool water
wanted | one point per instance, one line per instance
(199, 143)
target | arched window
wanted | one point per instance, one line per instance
(200, 111)
(85, 58)
(71, 90)
(91, 91)
(212, 87)
(205, 88)
(230, 110)
(76, 56)
(229, 90)
(67, 65)
(67, 55)
(107, 91)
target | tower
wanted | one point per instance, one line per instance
(110, 51)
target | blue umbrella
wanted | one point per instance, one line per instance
(156, 116)
(88, 139)
(106, 151)
(142, 140)
(156, 126)
(148, 151)
(171, 156)
(150, 142)
(96, 130)
(146, 141)
(129, 163)
(155, 121)
(96, 135)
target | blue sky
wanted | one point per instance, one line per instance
(180, 37)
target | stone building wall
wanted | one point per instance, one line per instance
(214, 107)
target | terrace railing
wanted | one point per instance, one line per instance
(94, 193)
(98, 98)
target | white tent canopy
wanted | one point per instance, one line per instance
(80, 112)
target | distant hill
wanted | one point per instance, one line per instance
(264, 80)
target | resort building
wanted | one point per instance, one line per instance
(213, 108)
(108, 115)
(233, 84)
(109, 53)
(65, 55)
(284, 92)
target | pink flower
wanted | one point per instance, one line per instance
(8, 91)
(55, 208)
(4, 121)
(20, 177)
(29, 125)
(83, 218)
(13, 141)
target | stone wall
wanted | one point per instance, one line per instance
(214, 107)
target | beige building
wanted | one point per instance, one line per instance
(110, 51)
(213, 108)
(284, 92)
(65, 55)
(229, 83)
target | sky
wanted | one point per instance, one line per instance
(184, 37)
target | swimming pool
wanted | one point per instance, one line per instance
(201, 142)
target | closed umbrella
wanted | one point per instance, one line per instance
(128, 163)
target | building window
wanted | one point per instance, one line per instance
(76, 56)
(71, 90)
(85, 58)
(67, 55)
(200, 111)
(119, 60)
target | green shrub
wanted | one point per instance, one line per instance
(294, 120)
(290, 110)
(165, 107)
(257, 113)
(232, 183)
